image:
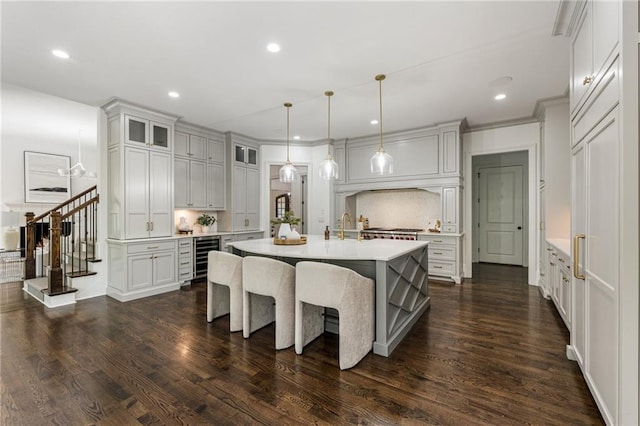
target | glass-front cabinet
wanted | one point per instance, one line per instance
(142, 131)
(246, 155)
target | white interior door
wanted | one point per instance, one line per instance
(501, 218)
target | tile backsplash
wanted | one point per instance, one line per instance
(401, 208)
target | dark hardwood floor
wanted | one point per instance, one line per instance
(490, 351)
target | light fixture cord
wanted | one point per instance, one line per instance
(328, 124)
(288, 106)
(380, 91)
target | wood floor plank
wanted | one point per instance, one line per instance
(489, 351)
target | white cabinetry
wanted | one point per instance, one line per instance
(190, 183)
(450, 209)
(593, 44)
(140, 172)
(243, 186)
(185, 259)
(141, 269)
(604, 207)
(559, 271)
(445, 255)
(199, 172)
(190, 146)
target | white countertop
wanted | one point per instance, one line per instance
(319, 248)
(563, 245)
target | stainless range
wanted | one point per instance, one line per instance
(391, 233)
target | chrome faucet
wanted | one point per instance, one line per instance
(341, 234)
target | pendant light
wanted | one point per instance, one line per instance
(77, 170)
(328, 168)
(288, 173)
(381, 162)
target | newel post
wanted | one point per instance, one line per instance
(56, 280)
(30, 247)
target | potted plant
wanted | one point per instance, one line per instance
(283, 224)
(205, 221)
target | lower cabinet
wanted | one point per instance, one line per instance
(445, 255)
(141, 269)
(559, 275)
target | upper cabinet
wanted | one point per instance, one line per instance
(140, 131)
(190, 146)
(594, 40)
(199, 161)
(245, 154)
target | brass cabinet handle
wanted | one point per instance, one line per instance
(576, 256)
(587, 80)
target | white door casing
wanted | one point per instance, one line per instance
(501, 216)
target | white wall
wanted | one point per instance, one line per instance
(318, 190)
(524, 137)
(35, 121)
(557, 171)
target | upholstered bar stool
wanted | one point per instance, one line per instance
(320, 285)
(224, 288)
(265, 281)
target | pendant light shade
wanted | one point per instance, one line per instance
(381, 162)
(328, 168)
(288, 172)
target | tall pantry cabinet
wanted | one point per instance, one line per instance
(604, 208)
(141, 247)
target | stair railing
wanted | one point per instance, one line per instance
(61, 242)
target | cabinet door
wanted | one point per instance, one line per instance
(181, 182)
(565, 294)
(605, 31)
(450, 154)
(160, 136)
(581, 58)
(198, 184)
(164, 267)
(216, 151)
(140, 271)
(160, 194)
(197, 147)
(239, 198)
(216, 187)
(449, 206)
(578, 226)
(136, 188)
(181, 148)
(239, 154)
(252, 156)
(136, 130)
(253, 199)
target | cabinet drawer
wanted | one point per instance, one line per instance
(442, 253)
(185, 242)
(450, 228)
(185, 263)
(439, 241)
(151, 246)
(185, 273)
(441, 268)
(185, 252)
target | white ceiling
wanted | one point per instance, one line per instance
(442, 60)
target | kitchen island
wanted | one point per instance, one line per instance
(399, 269)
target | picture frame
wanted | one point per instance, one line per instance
(42, 182)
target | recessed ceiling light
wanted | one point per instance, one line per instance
(374, 121)
(500, 97)
(273, 47)
(60, 54)
(296, 137)
(174, 94)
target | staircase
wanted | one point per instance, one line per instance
(60, 246)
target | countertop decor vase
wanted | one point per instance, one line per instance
(183, 225)
(205, 229)
(284, 230)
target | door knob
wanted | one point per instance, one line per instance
(519, 227)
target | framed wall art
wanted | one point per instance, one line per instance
(42, 182)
